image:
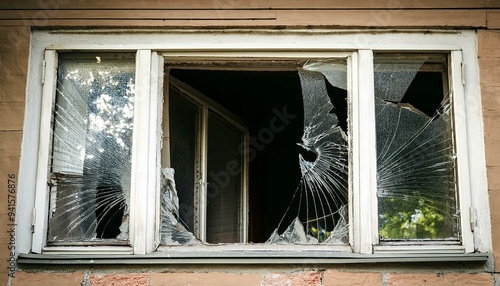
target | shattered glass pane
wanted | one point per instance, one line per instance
(416, 180)
(173, 231)
(323, 189)
(91, 148)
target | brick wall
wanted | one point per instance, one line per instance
(312, 278)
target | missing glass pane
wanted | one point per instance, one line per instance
(91, 148)
(296, 154)
(416, 178)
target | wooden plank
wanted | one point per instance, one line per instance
(141, 23)
(37, 15)
(323, 18)
(384, 18)
(54, 5)
(493, 19)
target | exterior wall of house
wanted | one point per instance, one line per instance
(17, 18)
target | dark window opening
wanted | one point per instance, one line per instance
(270, 103)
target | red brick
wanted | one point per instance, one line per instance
(199, 279)
(47, 278)
(118, 279)
(296, 278)
(439, 279)
(339, 278)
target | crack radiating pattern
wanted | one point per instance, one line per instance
(323, 188)
(416, 180)
(91, 148)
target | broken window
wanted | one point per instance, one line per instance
(91, 148)
(311, 140)
(252, 152)
(282, 178)
(416, 173)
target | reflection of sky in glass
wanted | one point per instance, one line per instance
(92, 138)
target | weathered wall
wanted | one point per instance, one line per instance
(14, 51)
(17, 18)
(262, 13)
(489, 64)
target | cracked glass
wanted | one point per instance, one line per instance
(318, 199)
(322, 192)
(91, 148)
(416, 172)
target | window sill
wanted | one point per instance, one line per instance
(242, 257)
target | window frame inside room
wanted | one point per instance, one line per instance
(205, 107)
(157, 46)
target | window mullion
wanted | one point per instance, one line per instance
(141, 166)
(155, 141)
(365, 199)
(202, 196)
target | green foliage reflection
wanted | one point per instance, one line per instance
(411, 218)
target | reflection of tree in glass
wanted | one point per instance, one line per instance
(411, 217)
(95, 106)
(108, 147)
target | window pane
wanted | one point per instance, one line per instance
(183, 124)
(225, 182)
(416, 180)
(92, 140)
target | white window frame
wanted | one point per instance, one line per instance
(150, 48)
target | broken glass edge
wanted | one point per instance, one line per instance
(325, 138)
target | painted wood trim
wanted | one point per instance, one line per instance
(154, 181)
(367, 193)
(354, 172)
(476, 147)
(270, 41)
(461, 143)
(42, 171)
(140, 174)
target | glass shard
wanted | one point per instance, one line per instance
(416, 180)
(173, 231)
(295, 233)
(91, 148)
(323, 188)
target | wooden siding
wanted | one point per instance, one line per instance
(259, 13)
(248, 4)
